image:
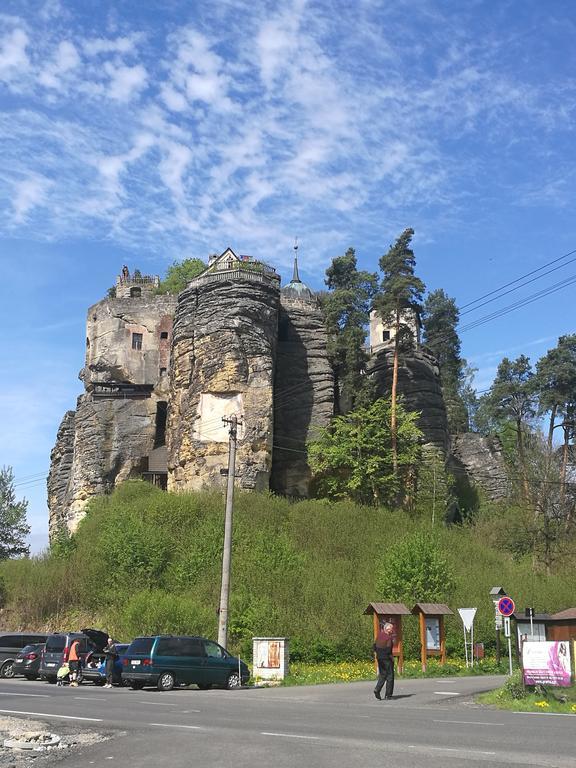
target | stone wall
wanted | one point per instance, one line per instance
(110, 326)
(419, 384)
(303, 393)
(223, 359)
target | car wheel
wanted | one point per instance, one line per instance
(204, 686)
(136, 685)
(31, 677)
(166, 681)
(7, 669)
(233, 681)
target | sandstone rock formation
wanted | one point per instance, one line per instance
(304, 387)
(223, 357)
(480, 461)
(421, 388)
(61, 459)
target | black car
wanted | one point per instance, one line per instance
(27, 662)
(11, 643)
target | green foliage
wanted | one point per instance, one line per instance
(13, 525)
(347, 307)
(400, 287)
(440, 318)
(353, 457)
(434, 494)
(415, 570)
(179, 275)
(513, 688)
(305, 570)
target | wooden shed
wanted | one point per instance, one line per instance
(390, 612)
(432, 633)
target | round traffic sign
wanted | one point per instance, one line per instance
(506, 606)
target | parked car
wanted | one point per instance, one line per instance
(95, 666)
(27, 662)
(167, 660)
(57, 649)
(11, 643)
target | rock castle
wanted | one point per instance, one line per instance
(163, 371)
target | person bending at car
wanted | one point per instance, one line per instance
(383, 649)
(111, 655)
(74, 663)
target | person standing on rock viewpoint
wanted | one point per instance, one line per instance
(383, 649)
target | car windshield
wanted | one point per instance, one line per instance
(55, 643)
(140, 645)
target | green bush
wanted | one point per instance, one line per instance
(147, 561)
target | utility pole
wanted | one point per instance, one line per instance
(227, 551)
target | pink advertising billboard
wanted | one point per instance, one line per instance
(546, 663)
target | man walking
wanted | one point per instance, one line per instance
(74, 663)
(383, 647)
(111, 655)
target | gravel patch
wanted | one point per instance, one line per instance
(39, 734)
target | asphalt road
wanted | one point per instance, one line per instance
(432, 723)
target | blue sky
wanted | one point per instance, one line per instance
(152, 130)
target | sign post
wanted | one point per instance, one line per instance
(467, 616)
(506, 608)
(495, 594)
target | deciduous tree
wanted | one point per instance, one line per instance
(179, 275)
(353, 458)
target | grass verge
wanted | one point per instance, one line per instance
(513, 696)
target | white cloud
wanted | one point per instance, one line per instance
(97, 46)
(65, 60)
(14, 59)
(27, 195)
(125, 82)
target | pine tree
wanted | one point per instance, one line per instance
(400, 289)
(13, 525)
(346, 306)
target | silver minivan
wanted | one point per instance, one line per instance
(11, 643)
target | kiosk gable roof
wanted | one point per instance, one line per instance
(432, 609)
(388, 609)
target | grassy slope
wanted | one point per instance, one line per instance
(146, 561)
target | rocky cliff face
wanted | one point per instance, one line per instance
(223, 359)
(111, 434)
(303, 393)
(480, 461)
(61, 459)
(419, 384)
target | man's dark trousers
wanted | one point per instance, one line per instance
(385, 675)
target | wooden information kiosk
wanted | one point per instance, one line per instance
(432, 634)
(390, 612)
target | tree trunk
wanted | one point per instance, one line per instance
(393, 428)
(522, 458)
(566, 430)
(552, 426)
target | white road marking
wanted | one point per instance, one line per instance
(451, 749)
(172, 725)
(469, 722)
(187, 711)
(49, 714)
(36, 695)
(88, 698)
(156, 703)
(446, 693)
(289, 735)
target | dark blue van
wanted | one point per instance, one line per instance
(168, 660)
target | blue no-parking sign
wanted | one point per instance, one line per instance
(506, 606)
